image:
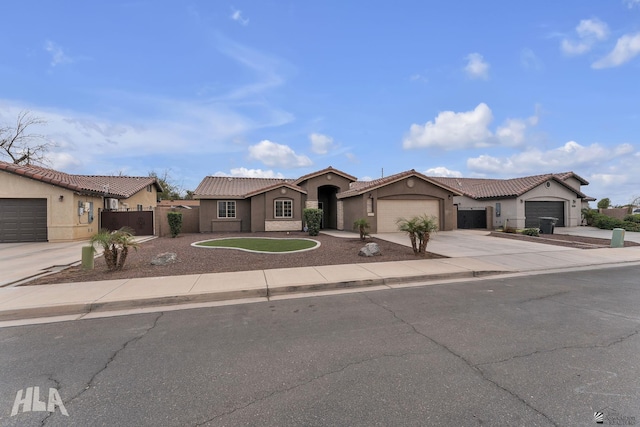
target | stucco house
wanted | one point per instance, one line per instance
(271, 204)
(519, 202)
(39, 204)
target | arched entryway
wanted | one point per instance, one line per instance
(328, 202)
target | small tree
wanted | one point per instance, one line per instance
(419, 229)
(175, 223)
(362, 226)
(115, 245)
(604, 203)
(313, 219)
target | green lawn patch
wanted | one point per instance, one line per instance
(261, 244)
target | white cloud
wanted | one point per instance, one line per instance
(277, 155)
(442, 171)
(530, 60)
(570, 156)
(469, 129)
(477, 67)
(57, 54)
(627, 47)
(237, 16)
(320, 144)
(365, 178)
(251, 173)
(632, 3)
(589, 32)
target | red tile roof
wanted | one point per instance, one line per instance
(234, 187)
(479, 188)
(108, 186)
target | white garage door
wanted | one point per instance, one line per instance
(390, 210)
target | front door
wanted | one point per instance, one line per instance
(321, 206)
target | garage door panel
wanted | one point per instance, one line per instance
(23, 220)
(533, 210)
(389, 211)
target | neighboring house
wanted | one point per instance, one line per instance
(39, 204)
(519, 202)
(270, 204)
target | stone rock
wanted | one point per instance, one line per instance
(164, 258)
(370, 249)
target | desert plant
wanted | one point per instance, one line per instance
(362, 226)
(588, 215)
(419, 229)
(115, 245)
(175, 222)
(312, 218)
(632, 218)
(531, 232)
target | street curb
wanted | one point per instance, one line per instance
(86, 308)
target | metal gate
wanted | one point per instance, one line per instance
(472, 218)
(141, 222)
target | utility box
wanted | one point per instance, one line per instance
(617, 238)
(87, 257)
(547, 224)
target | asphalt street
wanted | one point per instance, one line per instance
(529, 351)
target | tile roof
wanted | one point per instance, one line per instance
(360, 187)
(323, 171)
(109, 186)
(234, 187)
(480, 188)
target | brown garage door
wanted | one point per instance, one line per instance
(23, 220)
(534, 210)
(390, 210)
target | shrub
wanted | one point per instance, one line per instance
(175, 222)
(313, 219)
(606, 222)
(361, 225)
(588, 215)
(632, 218)
(531, 232)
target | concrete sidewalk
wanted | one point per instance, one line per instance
(472, 254)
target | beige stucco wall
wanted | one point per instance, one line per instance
(209, 221)
(356, 207)
(331, 179)
(513, 209)
(148, 199)
(63, 220)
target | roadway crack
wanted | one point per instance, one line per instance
(473, 367)
(113, 356)
(568, 347)
(543, 297)
(306, 382)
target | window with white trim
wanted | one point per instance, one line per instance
(283, 209)
(226, 209)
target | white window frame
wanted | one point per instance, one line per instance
(283, 201)
(226, 208)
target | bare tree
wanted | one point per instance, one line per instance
(21, 146)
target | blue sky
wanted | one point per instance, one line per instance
(492, 89)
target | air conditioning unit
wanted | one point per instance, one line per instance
(112, 204)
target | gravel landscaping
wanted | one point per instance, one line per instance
(194, 260)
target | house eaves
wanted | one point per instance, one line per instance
(325, 171)
(361, 187)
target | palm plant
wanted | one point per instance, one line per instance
(361, 225)
(410, 226)
(419, 229)
(115, 245)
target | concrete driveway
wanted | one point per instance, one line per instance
(22, 260)
(596, 232)
(472, 243)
